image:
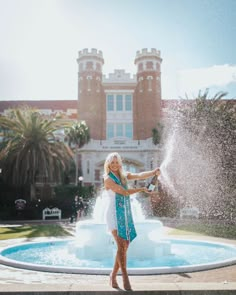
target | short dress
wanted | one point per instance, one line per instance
(111, 211)
(119, 214)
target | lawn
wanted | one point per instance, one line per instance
(32, 231)
(220, 230)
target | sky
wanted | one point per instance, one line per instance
(40, 41)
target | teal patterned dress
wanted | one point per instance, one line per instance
(125, 224)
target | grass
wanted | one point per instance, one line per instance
(32, 231)
(207, 229)
(219, 230)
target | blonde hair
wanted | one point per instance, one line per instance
(107, 169)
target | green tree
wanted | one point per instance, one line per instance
(77, 135)
(30, 148)
(156, 134)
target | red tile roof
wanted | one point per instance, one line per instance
(53, 105)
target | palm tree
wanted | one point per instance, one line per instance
(156, 134)
(30, 148)
(77, 135)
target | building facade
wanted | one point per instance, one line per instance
(121, 112)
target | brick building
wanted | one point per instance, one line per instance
(120, 110)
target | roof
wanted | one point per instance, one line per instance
(53, 105)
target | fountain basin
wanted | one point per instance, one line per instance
(55, 256)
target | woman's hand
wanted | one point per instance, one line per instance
(157, 171)
(145, 190)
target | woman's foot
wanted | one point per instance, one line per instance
(127, 285)
(113, 282)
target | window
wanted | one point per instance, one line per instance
(128, 102)
(149, 65)
(98, 67)
(89, 65)
(119, 130)
(129, 167)
(140, 84)
(110, 130)
(110, 103)
(158, 84)
(140, 67)
(119, 102)
(98, 84)
(89, 78)
(88, 167)
(129, 130)
(149, 78)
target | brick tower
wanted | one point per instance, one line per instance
(147, 102)
(91, 107)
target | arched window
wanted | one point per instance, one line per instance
(81, 85)
(149, 78)
(89, 78)
(149, 65)
(98, 67)
(140, 84)
(89, 65)
(158, 84)
(98, 84)
(140, 67)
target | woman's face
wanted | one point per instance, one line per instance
(114, 165)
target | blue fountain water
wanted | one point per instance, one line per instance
(186, 255)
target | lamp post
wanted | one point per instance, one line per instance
(80, 178)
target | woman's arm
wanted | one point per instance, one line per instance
(143, 175)
(110, 184)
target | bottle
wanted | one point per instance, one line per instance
(151, 186)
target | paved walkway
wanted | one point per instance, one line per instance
(13, 279)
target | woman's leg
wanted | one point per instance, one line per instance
(116, 265)
(121, 260)
(126, 282)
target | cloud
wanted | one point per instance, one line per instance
(192, 80)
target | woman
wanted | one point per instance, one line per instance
(119, 215)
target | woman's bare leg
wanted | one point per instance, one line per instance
(121, 260)
(116, 266)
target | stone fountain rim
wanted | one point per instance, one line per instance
(105, 271)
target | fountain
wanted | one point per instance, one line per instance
(93, 240)
(92, 251)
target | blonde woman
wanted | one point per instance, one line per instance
(119, 215)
